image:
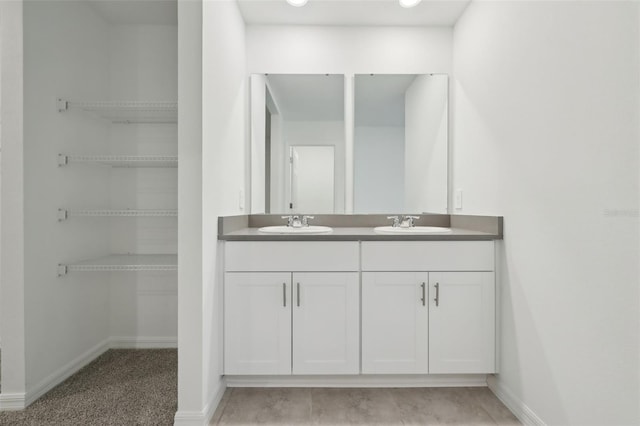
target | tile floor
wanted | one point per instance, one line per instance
(397, 406)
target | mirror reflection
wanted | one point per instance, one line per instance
(400, 143)
(298, 144)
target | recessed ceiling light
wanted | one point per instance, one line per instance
(300, 3)
(407, 3)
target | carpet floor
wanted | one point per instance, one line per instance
(121, 387)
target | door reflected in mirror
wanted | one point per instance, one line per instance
(312, 177)
(401, 143)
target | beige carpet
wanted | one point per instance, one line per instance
(121, 387)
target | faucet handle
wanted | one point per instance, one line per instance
(289, 220)
(396, 221)
(408, 220)
(305, 220)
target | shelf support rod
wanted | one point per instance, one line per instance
(62, 270)
(63, 214)
(63, 160)
(62, 105)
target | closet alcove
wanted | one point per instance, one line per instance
(99, 159)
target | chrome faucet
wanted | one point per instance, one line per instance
(295, 221)
(407, 221)
(396, 221)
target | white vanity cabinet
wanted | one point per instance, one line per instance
(326, 323)
(291, 308)
(257, 323)
(461, 322)
(428, 307)
(395, 323)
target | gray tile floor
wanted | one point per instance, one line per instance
(344, 406)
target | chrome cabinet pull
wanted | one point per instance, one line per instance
(437, 299)
(298, 293)
(284, 294)
(423, 298)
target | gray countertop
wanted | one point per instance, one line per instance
(360, 228)
(356, 234)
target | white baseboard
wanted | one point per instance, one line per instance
(201, 418)
(513, 403)
(360, 381)
(65, 372)
(136, 342)
(12, 401)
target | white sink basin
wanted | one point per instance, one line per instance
(412, 230)
(290, 230)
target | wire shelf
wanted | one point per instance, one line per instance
(64, 214)
(123, 263)
(126, 112)
(125, 161)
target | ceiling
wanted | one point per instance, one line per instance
(352, 12)
(379, 99)
(308, 97)
(279, 12)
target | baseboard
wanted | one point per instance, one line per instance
(136, 342)
(525, 414)
(21, 401)
(13, 401)
(65, 372)
(360, 381)
(201, 418)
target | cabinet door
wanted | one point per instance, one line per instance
(461, 322)
(326, 313)
(257, 323)
(394, 323)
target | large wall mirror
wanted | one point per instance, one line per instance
(299, 143)
(298, 148)
(400, 143)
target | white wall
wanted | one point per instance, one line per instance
(213, 149)
(0, 184)
(378, 169)
(66, 54)
(12, 262)
(190, 206)
(143, 66)
(348, 50)
(546, 134)
(426, 144)
(225, 164)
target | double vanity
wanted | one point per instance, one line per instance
(357, 299)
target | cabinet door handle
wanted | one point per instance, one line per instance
(437, 299)
(298, 293)
(284, 294)
(423, 298)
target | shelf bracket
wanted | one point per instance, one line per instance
(62, 270)
(62, 105)
(63, 214)
(63, 160)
